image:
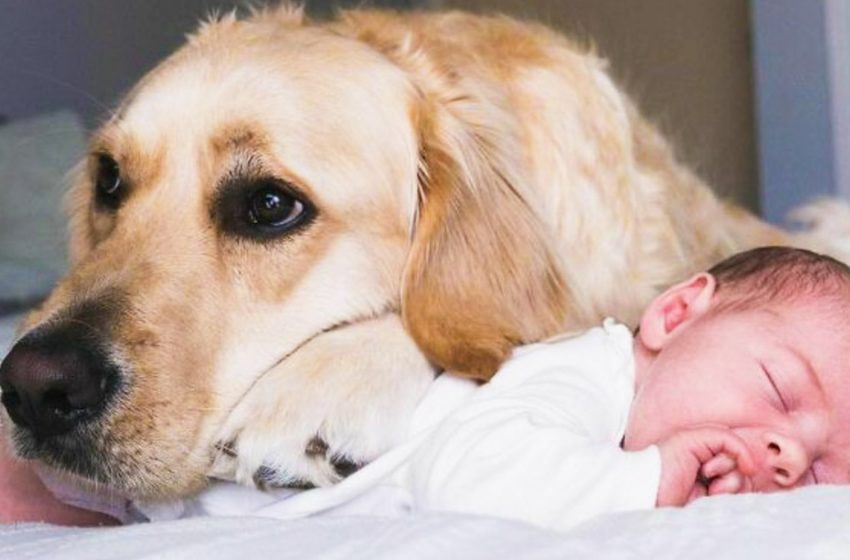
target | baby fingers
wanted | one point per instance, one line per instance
(718, 465)
(730, 483)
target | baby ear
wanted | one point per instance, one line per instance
(675, 308)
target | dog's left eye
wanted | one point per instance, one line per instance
(271, 207)
(261, 208)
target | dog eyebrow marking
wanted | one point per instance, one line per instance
(238, 137)
(245, 166)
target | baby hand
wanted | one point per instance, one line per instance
(700, 462)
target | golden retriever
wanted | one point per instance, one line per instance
(288, 227)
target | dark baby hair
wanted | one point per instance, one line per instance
(778, 274)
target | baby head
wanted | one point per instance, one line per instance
(757, 345)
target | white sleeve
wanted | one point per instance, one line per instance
(541, 451)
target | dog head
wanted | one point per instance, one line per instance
(265, 183)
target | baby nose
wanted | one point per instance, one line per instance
(787, 459)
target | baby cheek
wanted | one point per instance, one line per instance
(826, 473)
(753, 439)
(647, 425)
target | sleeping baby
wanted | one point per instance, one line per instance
(734, 382)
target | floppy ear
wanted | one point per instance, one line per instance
(481, 276)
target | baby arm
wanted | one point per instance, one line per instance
(520, 468)
(544, 450)
(703, 462)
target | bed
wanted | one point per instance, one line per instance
(809, 523)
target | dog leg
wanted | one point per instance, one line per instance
(338, 402)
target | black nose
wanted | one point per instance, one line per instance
(56, 379)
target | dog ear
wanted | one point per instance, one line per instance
(481, 276)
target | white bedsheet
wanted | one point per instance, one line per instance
(809, 523)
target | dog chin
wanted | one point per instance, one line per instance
(82, 458)
(75, 454)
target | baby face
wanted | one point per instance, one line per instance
(778, 377)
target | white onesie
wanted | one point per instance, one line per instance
(540, 443)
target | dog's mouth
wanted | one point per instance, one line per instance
(132, 470)
(80, 453)
(110, 455)
(69, 441)
(70, 406)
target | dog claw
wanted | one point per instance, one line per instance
(316, 447)
(345, 467)
(266, 478)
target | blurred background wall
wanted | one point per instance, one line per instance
(754, 94)
(82, 54)
(687, 63)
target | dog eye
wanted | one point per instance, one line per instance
(271, 208)
(260, 208)
(108, 184)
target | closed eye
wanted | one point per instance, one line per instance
(775, 388)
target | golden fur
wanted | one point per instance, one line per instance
(479, 183)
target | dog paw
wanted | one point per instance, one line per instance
(331, 407)
(269, 478)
